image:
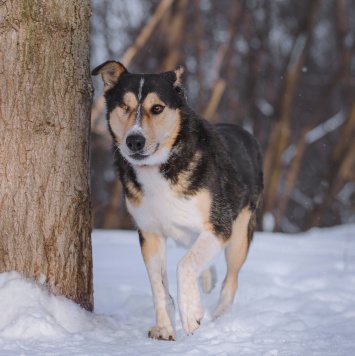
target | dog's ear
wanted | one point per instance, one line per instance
(110, 72)
(179, 72)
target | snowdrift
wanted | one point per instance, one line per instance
(296, 297)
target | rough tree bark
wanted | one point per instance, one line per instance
(45, 100)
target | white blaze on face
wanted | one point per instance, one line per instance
(137, 125)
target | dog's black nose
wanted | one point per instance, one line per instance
(135, 142)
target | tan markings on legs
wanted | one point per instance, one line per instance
(208, 279)
(203, 251)
(236, 253)
(153, 251)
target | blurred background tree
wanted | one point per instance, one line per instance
(283, 69)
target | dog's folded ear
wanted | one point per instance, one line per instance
(179, 72)
(110, 72)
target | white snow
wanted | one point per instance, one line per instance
(296, 296)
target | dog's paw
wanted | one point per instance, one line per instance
(221, 309)
(208, 279)
(191, 316)
(162, 333)
(225, 302)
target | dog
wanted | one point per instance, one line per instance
(184, 178)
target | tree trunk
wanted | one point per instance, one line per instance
(45, 99)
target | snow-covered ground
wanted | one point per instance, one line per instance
(296, 297)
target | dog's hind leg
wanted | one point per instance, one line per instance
(153, 249)
(202, 252)
(236, 253)
(208, 279)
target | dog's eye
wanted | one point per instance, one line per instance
(157, 109)
(124, 107)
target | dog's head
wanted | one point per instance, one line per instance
(143, 111)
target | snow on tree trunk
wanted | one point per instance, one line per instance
(45, 100)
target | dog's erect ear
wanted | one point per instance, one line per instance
(179, 71)
(110, 72)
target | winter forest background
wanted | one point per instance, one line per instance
(283, 69)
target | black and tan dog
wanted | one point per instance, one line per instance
(185, 178)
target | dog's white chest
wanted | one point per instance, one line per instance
(162, 211)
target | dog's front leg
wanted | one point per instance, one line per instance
(203, 251)
(154, 254)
